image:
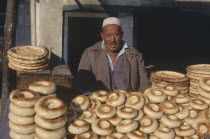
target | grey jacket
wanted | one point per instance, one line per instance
(94, 71)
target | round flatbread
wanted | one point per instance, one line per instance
(163, 82)
(28, 52)
(25, 70)
(198, 75)
(26, 61)
(29, 65)
(199, 69)
(29, 68)
(170, 76)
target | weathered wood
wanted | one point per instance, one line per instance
(8, 79)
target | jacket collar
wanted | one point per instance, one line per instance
(97, 47)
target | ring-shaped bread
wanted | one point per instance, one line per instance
(80, 103)
(43, 87)
(100, 95)
(22, 129)
(194, 114)
(24, 98)
(115, 99)
(170, 121)
(156, 96)
(126, 126)
(51, 124)
(182, 98)
(169, 107)
(21, 120)
(115, 120)
(164, 133)
(202, 127)
(88, 116)
(15, 135)
(116, 136)
(139, 115)
(105, 111)
(137, 134)
(153, 110)
(198, 104)
(50, 134)
(126, 93)
(50, 107)
(183, 112)
(170, 90)
(94, 104)
(87, 135)
(127, 112)
(185, 130)
(102, 127)
(78, 127)
(135, 101)
(148, 124)
(21, 111)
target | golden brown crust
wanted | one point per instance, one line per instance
(102, 127)
(28, 52)
(52, 124)
(169, 76)
(105, 111)
(26, 61)
(24, 97)
(28, 67)
(115, 99)
(199, 68)
(26, 70)
(43, 107)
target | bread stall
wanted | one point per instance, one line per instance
(44, 104)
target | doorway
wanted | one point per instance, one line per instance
(82, 30)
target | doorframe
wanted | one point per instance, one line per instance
(66, 27)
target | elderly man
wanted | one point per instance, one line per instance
(111, 64)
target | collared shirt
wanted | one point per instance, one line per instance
(122, 51)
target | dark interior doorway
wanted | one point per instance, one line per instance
(83, 32)
(173, 38)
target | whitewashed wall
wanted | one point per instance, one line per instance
(47, 21)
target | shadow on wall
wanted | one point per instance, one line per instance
(55, 60)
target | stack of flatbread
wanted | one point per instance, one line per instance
(28, 58)
(163, 78)
(196, 73)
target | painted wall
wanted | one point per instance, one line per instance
(48, 23)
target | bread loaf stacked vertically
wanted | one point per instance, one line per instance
(197, 73)
(28, 58)
(21, 115)
(161, 79)
(50, 118)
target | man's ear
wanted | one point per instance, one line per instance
(102, 35)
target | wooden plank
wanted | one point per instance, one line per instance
(8, 77)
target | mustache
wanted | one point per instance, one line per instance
(112, 43)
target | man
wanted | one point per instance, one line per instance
(111, 64)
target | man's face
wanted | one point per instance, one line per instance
(112, 36)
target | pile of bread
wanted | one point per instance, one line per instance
(32, 116)
(28, 58)
(163, 78)
(162, 113)
(198, 74)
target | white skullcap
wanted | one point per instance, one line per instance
(111, 20)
